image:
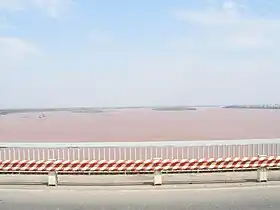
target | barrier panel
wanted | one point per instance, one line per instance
(139, 165)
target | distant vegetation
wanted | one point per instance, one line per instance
(74, 110)
(87, 111)
(90, 109)
(274, 106)
(173, 108)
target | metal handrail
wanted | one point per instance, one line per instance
(137, 144)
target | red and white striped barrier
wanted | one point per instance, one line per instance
(138, 165)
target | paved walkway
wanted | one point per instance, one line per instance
(258, 197)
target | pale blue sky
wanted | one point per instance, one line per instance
(60, 53)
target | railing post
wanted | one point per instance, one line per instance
(262, 172)
(157, 175)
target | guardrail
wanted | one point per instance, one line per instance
(140, 150)
(139, 165)
(156, 166)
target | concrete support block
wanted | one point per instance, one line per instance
(52, 178)
(157, 178)
(262, 174)
(157, 174)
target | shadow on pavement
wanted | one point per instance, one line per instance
(23, 183)
(100, 184)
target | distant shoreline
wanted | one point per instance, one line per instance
(104, 109)
(175, 109)
(251, 107)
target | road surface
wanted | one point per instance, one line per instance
(256, 197)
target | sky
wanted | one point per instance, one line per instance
(69, 53)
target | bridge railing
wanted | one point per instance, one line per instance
(139, 150)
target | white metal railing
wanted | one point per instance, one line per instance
(138, 144)
(139, 150)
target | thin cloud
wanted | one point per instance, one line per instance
(4, 24)
(233, 26)
(16, 51)
(52, 8)
(100, 38)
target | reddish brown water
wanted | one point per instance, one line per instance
(142, 125)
